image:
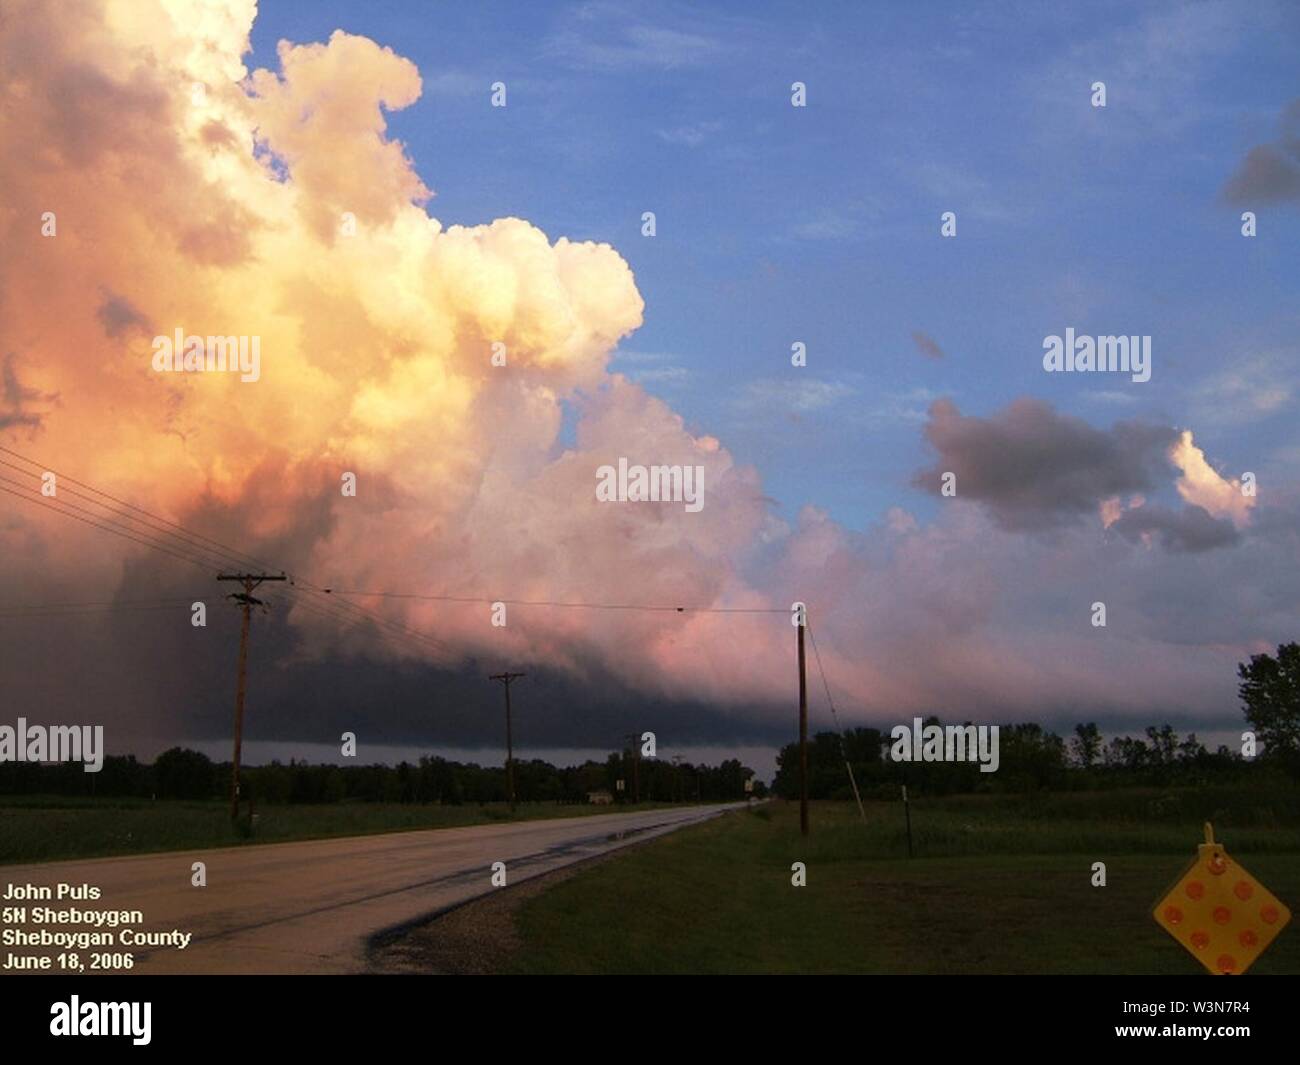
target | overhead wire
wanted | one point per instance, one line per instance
(839, 730)
(191, 546)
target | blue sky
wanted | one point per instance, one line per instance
(821, 224)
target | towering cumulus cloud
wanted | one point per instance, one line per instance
(154, 184)
(190, 194)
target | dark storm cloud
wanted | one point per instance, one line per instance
(409, 705)
(1190, 529)
(1035, 469)
(16, 399)
(1270, 173)
(152, 678)
(118, 316)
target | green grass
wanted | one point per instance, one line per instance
(999, 885)
(51, 828)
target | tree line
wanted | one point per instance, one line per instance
(181, 773)
(1033, 758)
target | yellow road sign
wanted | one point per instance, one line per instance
(1223, 916)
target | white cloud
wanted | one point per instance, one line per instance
(1255, 387)
(800, 395)
(692, 135)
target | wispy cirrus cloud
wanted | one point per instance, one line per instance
(798, 395)
(1256, 386)
(691, 135)
(617, 36)
(1150, 64)
(651, 367)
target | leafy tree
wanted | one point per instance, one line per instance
(1270, 689)
(1164, 741)
(180, 773)
(1086, 745)
(1125, 752)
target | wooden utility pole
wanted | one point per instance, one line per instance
(246, 600)
(803, 731)
(635, 749)
(505, 679)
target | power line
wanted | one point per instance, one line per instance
(109, 603)
(68, 514)
(189, 546)
(209, 553)
(121, 502)
(190, 551)
(839, 730)
(72, 610)
(398, 636)
(563, 603)
(81, 613)
(192, 548)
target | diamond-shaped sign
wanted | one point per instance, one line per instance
(1219, 912)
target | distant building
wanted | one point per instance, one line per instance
(600, 798)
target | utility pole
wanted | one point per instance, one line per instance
(803, 728)
(505, 679)
(636, 762)
(246, 600)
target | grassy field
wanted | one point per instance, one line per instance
(998, 885)
(49, 828)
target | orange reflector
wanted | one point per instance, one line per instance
(1225, 922)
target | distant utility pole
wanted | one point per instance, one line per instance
(636, 761)
(505, 679)
(803, 730)
(246, 600)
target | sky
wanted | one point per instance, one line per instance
(224, 211)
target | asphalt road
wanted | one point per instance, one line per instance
(312, 907)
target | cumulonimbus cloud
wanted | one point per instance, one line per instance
(187, 193)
